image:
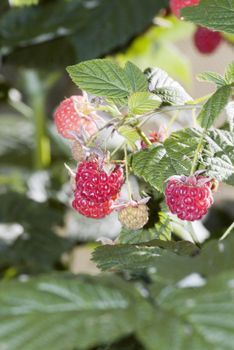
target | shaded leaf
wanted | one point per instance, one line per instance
(196, 318)
(136, 257)
(214, 14)
(65, 308)
(38, 248)
(78, 30)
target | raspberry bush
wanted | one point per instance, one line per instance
(163, 283)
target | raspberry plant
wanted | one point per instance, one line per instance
(161, 291)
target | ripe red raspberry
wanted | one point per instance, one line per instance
(91, 209)
(177, 5)
(206, 40)
(189, 197)
(73, 114)
(94, 184)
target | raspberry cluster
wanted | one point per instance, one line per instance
(74, 114)
(189, 197)
(95, 189)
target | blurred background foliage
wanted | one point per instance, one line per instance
(38, 39)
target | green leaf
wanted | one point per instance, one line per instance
(174, 157)
(214, 106)
(229, 73)
(64, 308)
(165, 87)
(34, 38)
(230, 115)
(212, 77)
(142, 102)
(130, 135)
(168, 261)
(134, 237)
(136, 77)
(219, 161)
(153, 165)
(137, 257)
(38, 249)
(214, 14)
(163, 227)
(192, 318)
(23, 2)
(162, 231)
(101, 77)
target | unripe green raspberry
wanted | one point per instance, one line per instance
(77, 151)
(134, 217)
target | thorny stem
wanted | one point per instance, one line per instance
(197, 152)
(127, 172)
(117, 149)
(165, 110)
(145, 118)
(96, 134)
(226, 233)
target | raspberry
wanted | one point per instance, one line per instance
(189, 197)
(177, 5)
(77, 151)
(91, 209)
(206, 40)
(134, 217)
(74, 114)
(95, 185)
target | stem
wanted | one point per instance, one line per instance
(197, 152)
(127, 173)
(172, 120)
(37, 98)
(226, 233)
(201, 99)
(143, 136)
(165, 110)
(194, 117)
(95, 135)
(22, 108)
(117, 149)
